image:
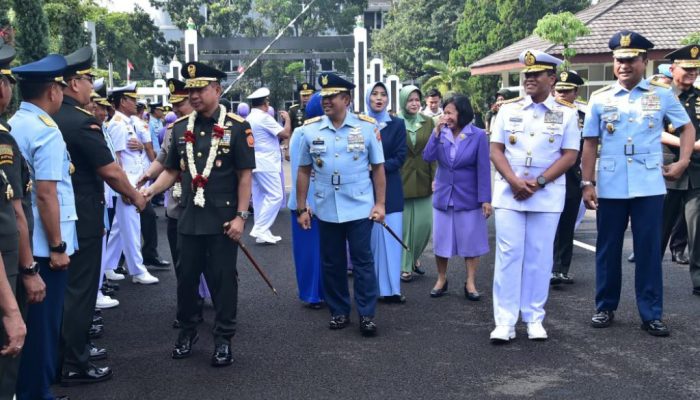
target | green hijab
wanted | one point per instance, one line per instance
(413, 121)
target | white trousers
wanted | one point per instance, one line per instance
(125, 236)
(267, 200)
(524, 257)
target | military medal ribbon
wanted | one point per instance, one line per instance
(199, 181)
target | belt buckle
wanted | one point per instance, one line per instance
(333, 180)
(528, 161)
(629, 149)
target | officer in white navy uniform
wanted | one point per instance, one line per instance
(534, 140)
(268, 191)
(125, 234)
(626, 119)
(341, 147)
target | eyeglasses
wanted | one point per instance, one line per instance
(89, 78)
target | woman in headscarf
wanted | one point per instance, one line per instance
(387, 250)
(417, 176)
(305, 243)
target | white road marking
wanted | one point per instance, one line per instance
(584, 246)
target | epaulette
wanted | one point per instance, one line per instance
(47, 121)
(513, 100)
(565, 103)
(601, 90)
(697, 86)
(117, 118)
(3, 129)
(181, 119)
(170, 125)
(235, 117)
(84, 110)
(658, 83)
(367, 118)
(312, 120)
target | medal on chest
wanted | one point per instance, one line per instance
(512, 138)
(9, 193)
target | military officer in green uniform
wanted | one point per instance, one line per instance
(94, 164)
(214, 151)
(683, 195)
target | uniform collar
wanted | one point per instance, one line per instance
(31, 107)
(548, 102)
(70, 101)
(351, 120)
(643, 85)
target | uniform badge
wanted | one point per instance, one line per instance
(378, 134)
(228, 123)
(512, 138)
(28, 188)
(7, 156)
(192, 70)
(554, 117)
(610, 127)
(71, 168)
(530, 59)
(651, 102)
(218, 163)
(171, 88)
(564, 76)
(319, 162)
(625, 40)
(182, 164)
(251, 142)
(694, 52)
(9, 193)
(551, 139)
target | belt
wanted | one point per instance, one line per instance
(632, 149)
(531, 162)
(338, 179)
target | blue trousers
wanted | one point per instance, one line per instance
(307, 259)
(612, 218)
(37, 370)
(334, 266)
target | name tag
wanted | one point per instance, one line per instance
(356, 142)
(651, 102)
(554, 117)
(226, 139)
(609, 108)
(318, 146)
(611, 117)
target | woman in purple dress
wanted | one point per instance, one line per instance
(462, 192)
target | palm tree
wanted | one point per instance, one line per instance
(444, 77)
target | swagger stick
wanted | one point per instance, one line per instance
(255, 263)
(391, 231)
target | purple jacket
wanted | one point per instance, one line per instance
(467, 179)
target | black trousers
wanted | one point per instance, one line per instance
(215, 256)
(172, 240)
(149, 231)
(9, 366)
(564, 241)
(79, 303)
(674, 227)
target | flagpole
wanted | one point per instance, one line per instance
(128, 72)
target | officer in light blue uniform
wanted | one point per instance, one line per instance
(626, 119)
(155, 124)
(41, 143)
(340, 147)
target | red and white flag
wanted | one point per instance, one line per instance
(129, 68)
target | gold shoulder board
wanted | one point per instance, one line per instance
(180, 119)
(312, 120)
(367, 118)
(84, 110)
(565, 103)
(47, 121)
(601, 90)
(659, 84)
(235, 117)
(3, 129)
(512, 100)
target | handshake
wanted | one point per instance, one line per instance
(144, 194)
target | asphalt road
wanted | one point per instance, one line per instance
(426, 349)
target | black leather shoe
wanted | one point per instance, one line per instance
(157, 263)
(97, 320)
(109, 284)
(565, 278)
(555, 279)
(397, 298)
(696, 291)
(62, 398)
(418, 270)
(121, 270)
(602, 319)
(656, 327)
(471, 296)
(108, 292)
(183, 346)
(679, 257)
(97, 353)
(315, 306)
(439, 292)
(631, 257)
(176, 324)
(367, 326)
(222, 356)
(96, 331)
(92, 374)
(338, 322)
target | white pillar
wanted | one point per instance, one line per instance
(393, 85)
(191, 49)
(174, 69)
(90, 27)
(360, 67)
(376, 70)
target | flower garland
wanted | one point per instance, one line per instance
(177, 188)
(199, 181)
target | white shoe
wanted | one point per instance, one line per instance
(104, 302)
(535, 331)
(144, 279)
(266, 238)
(502, 334)
(113, 276)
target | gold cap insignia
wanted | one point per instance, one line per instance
(305, 86)
(564, 76)
(171, 87)
(694, 52)
(324, 80)
(192, 70)
(529, 59)
(625, 40)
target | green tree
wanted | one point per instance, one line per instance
(416, 31)
(562, 29)
(445, 77)
(66, 30)
(693, 38)
(224, 17)
(32, 30)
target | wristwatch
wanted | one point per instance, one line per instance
(61, 248)
(583, 184)
(301, 210)
(243, 214)
(30, 270)
(542, 181)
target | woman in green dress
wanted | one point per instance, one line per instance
(417, 177)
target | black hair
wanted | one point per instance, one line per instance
(465, 112)
(434, 92)
(257, 102)
(32, 90)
